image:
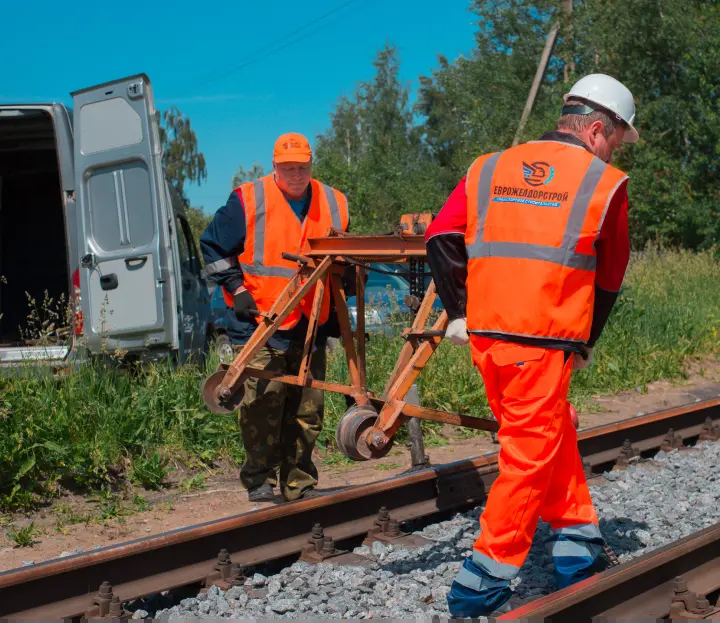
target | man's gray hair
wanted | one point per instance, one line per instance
(577, 123)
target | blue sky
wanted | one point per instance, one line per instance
(190, 49)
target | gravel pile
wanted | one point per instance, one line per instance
(641, 508)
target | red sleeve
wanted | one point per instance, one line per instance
(613, 243)
(452, 218)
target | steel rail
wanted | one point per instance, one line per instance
(640, 590)
(65, 588)
(599, 446)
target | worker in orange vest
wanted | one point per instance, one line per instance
(243, 247)
(528, 255)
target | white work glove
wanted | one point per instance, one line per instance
(457, 333)
(579, 363)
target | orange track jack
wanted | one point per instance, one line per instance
(366, 430)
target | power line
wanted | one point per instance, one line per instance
(258, 54)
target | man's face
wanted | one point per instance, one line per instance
(603, 147)
(293, 177)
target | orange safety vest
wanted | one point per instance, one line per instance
(273, 228)
(534, 214)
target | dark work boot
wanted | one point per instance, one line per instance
(263, 493)
(310, 493)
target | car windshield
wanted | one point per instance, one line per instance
(379, 281)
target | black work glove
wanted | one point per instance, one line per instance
(244, 305)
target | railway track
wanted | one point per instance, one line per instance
(96, 584)
(680, 581)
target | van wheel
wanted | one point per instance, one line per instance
(223, 348)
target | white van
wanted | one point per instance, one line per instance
(88, 218)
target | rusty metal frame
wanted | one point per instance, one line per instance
(323, 265)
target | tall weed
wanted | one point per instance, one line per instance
(83, 429)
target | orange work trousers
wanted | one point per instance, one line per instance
(541, 473)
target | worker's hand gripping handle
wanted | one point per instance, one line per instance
(244, 304)
(457, 333)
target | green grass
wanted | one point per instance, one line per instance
(111, 506)
(67, 516)
(195, 483)
(668, 311)
(140, 503)
(23, 537)
(149, 472)
(94, 430)
(337, 459)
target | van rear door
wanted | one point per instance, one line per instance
(128, 282)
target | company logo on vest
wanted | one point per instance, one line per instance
(537, 173)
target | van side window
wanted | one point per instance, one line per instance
(189, 257)
(182, 244)
(197, 264)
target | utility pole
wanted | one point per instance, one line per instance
(542, 66)
(570, 65)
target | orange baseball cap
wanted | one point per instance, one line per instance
(292, 147)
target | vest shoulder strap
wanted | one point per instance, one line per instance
(337, 203)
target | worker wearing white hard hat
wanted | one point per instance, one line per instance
(605, 92)
(528, 255)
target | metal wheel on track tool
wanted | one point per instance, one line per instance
(350, 434)
(213, 401)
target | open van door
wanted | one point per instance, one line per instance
(128, 282)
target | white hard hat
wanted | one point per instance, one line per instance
(611, 95)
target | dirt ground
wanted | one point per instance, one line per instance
(75, 522)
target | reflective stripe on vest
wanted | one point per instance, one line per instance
(334, 208)
(564, 255)
(258, 266)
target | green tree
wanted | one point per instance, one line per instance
(665, 51)
(671, 63)
(374, 153)
(241, 176)
(198, 221)
(181, 159)
(473, 106)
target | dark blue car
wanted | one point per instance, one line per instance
(385, 307)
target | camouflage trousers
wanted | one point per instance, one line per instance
(280, 423)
